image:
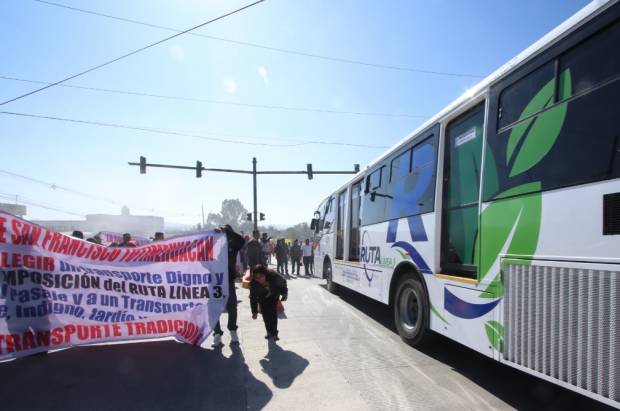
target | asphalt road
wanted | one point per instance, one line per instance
(337, 352)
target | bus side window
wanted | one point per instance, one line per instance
(329, 215)
(412, 180)
(566, 131)
(374, 197)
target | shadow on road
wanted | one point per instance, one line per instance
(519, 390)
(162, 375)
(283, 366)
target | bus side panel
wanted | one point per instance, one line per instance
(411, 241)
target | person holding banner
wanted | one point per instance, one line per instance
(235, 243)
(267, 289)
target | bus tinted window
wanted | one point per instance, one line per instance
(412, 181)
(574, 142)
(374, 197)
(590, 63)
(329, 214)
(517, 96)
(422, 182)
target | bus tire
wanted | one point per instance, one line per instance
(331, 286)
(411, 311)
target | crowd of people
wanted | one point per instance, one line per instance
(127, 241)
(260, 249)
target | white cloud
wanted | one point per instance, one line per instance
(230, 86)
(177, 52)
(262, 71)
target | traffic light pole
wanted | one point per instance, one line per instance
(255, 195)
(199, 169)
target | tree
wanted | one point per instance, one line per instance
(232, 212)
(299, 231)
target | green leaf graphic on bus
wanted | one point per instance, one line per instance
(495, 289)
(495, 334)
(537, 135)
(511, 224)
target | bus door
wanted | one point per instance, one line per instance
(340, 224)
(323, 246)
(355, 221)
(461, 180)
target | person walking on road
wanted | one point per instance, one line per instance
(307, 257)
(285, 255)
(235, 243)
(267, 289)
(296, 255)
(270, 251)
(265, 243)
(281, 256)
(314, 245)
(254, 251)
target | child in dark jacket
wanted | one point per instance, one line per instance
(266, 289)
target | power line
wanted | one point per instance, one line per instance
(36, 203)
(55, 186)
(265, 47)
(211, 101)
(131, 53)
(186, 134)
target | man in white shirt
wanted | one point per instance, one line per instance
(307, 256)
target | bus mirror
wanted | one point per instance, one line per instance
(313, 224)
(367, 186)
(373, 195)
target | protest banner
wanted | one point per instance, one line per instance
(57, 291)
(110, 237)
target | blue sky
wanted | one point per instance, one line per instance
(46, 43)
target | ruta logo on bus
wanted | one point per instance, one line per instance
(369, 254)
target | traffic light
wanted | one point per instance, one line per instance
(309, 168)
(249, 217)
(356, 167)
(198, 169)
(262, 216)
(142, 165)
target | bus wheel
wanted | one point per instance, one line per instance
(411, 311)
(327, 271)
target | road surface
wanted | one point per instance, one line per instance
(337, 352)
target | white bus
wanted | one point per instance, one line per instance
(497, 222)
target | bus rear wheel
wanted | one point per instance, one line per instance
(327, 271)
(411, 311)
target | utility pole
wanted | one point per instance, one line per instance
(198, 168)
(203, 215)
